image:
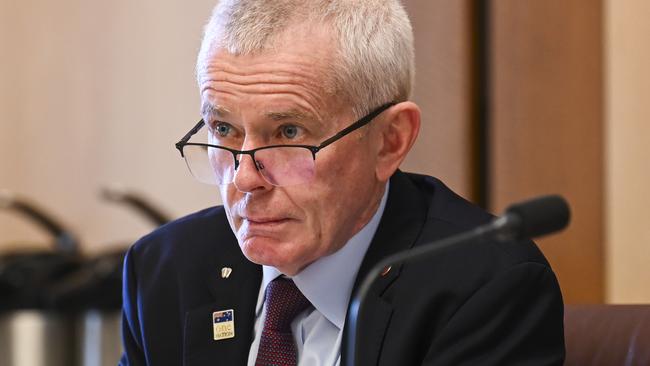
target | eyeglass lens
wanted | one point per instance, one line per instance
(280, 166)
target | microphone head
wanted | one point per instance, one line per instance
(115, 192)
(540, 216)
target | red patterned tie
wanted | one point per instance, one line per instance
(283, 303)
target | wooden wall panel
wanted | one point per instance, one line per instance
(546, 129)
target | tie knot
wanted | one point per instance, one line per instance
(284, 302)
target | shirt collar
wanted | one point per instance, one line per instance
(335, 271)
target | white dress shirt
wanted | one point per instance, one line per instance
(327, 284)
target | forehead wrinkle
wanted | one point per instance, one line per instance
(312, 73)
(265, 82)
(309, 104)
(269, 76)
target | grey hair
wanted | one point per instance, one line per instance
(374, 63)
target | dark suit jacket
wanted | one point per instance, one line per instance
(475, 304)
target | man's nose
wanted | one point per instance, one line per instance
(248, 177)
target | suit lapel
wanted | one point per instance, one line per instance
(399, 228)
(237, 292)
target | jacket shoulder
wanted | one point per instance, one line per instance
(446, 205)
(196, 230)
(449, 214)
(472, 293)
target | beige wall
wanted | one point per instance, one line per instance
(546, 127)
(627, 133)
(92, 93)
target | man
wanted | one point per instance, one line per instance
(312, 199)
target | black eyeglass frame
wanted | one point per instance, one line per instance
(314, 149)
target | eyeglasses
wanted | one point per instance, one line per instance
(280, 165)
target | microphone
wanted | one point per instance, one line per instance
(119, 194)
(532, 218)
(65, 241)
(529, 219)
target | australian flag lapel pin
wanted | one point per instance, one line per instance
(223, 324)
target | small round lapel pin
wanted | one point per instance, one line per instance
(385, 271)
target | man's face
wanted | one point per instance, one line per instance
(278, 97)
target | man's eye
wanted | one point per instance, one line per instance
(289, 131)
(222, 129)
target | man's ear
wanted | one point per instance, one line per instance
(398, 133)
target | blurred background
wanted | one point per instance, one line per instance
(519, 98)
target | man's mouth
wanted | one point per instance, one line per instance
(262, 227)
(265, 220)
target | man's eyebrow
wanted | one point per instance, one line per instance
(214, 111)
(291, 114)
(218, 112)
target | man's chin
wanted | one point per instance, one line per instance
(269, 252)
(261, 249)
